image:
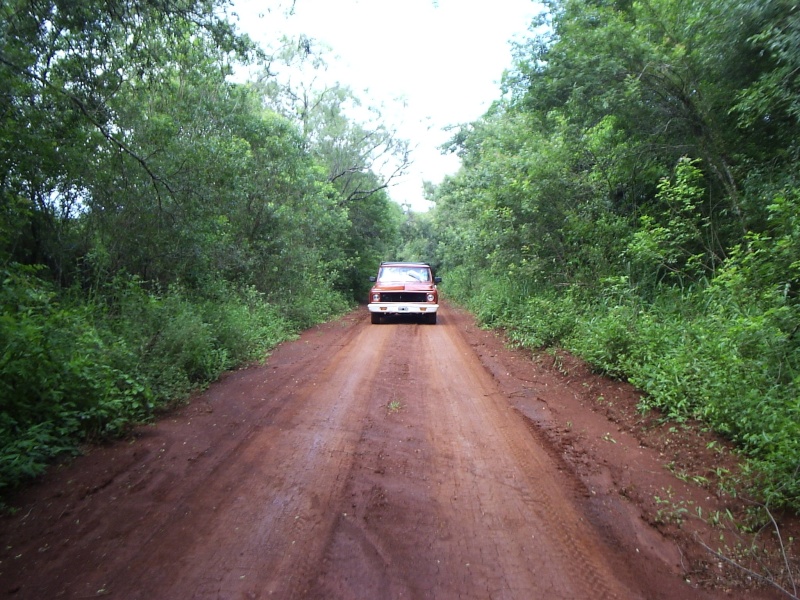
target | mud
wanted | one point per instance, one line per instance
(383, 461)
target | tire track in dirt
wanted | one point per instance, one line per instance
(279, 492)
(542, 542)
(451, 497)
(254, 523)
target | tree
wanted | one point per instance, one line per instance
(63, 65)
(347, 138)
(360, 155)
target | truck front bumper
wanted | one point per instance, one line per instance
(403, 308)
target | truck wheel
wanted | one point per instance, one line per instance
(376, 318)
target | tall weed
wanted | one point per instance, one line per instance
(57, 384)
(72, 371)
(734, 366)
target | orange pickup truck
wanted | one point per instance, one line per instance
(403, 288)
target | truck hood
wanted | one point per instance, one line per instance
(417, 286)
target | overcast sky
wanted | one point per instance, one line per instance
(431, 63)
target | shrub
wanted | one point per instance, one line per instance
(72, 371)
(58, 385)
(543, 320)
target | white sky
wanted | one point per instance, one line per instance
(429, 63)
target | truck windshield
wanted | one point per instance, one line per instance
(404, 274)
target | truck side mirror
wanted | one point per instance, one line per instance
(373, 279)
(437, 280)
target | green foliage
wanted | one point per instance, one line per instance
(74, 372)
(605, 339)
(57, 384)
(418, 239)
(543, 320)
(731, 365)
(358, 159)
(775, 92)
(678, 244)
(530, 317)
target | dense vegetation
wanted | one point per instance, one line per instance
(159, 222)
(634, 197)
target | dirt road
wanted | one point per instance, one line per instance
(361, 461)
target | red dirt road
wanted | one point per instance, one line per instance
(362, 461)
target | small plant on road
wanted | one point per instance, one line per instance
(669, 510)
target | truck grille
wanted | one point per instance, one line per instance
(404, 297)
